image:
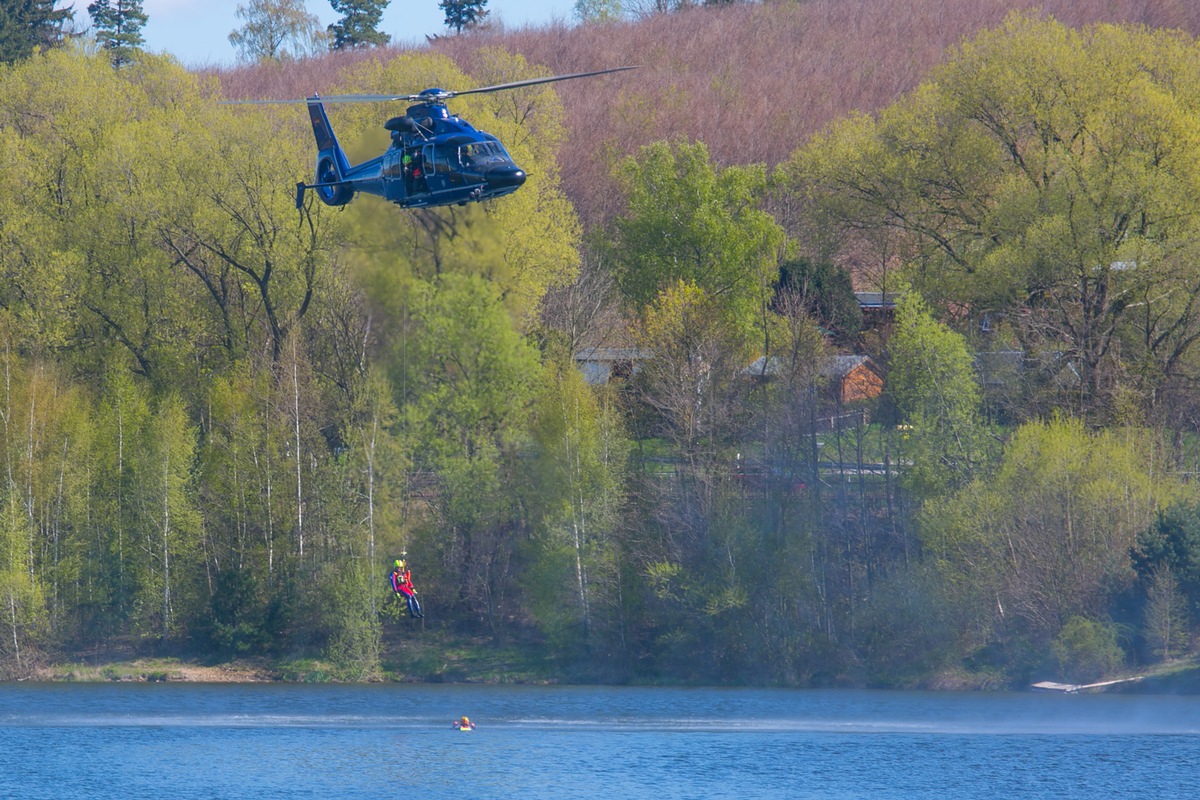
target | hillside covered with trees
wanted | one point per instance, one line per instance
(222, 418)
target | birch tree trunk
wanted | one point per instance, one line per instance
(296, 417)
(166, 548)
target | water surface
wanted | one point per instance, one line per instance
(83, 741)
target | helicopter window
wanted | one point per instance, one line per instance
(481, 153)
(445, 158)
(391, 165)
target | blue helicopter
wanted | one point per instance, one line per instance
(435, 158)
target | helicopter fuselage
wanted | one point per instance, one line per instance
(435, 159)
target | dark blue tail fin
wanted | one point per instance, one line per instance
(332, 164)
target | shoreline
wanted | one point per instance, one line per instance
(1179, 677)
(435, 659)
(155, 670)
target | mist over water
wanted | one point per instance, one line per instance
(265, 740)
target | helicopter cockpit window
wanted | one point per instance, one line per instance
(481, 154)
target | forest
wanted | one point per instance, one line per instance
(610, 420)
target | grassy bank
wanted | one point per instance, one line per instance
(434, 657)
(429, 658)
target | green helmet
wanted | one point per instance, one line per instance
(399, 563)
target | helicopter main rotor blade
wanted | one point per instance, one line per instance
(329, 98)
(429, 95)
(534, 81)
(257, 102)
(370, 98)
(437, 95)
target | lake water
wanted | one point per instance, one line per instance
(180, 741)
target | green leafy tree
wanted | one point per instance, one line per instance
(119, 26)
(54, 477)
(357, 634)
(931, 383)
(169, 505)
(244, 460)
(791, 379)
(1167, 623)
(1048, 536)
(578, 499)
(277, 30)
(463, 14)
(122, 412)
(154, 562)
(359, 25)
(29, 24)
(1048, 177)
(170, 272)
(240, 245)
(693, 388)
(1172, 545)
(97, 247)
(468, 384)
(689, 222)
(601, 11)
(909, 626)
(22, 596)
(41, 435)
(270, 541)
(825, 291)
(692, 376)
(209, 250)
(1087, 650)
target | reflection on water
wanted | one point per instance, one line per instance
(258, 741)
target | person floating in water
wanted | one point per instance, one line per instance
(402, 585)
(464, 724)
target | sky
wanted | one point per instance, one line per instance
(197, 31)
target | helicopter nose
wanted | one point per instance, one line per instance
(505, 177)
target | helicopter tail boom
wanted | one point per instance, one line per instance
(336, 186)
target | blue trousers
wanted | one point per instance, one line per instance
(414, 607)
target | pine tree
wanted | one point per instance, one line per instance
(26, 24)
(463, 13)
(119, 27)
(359, 24)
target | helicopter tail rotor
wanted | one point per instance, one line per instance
(329, 186)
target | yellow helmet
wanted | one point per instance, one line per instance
(400, 563)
